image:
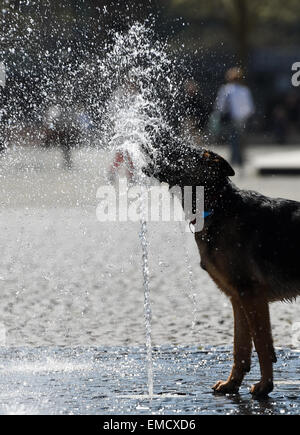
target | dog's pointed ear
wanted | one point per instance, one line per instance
(226, 168)
(217, 162)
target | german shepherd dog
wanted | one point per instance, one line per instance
(249, 245)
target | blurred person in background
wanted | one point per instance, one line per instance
(119, 110)
(234, 104)
(62, 129)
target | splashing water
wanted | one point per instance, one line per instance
(131, 95)
(141, 90)
(143, 83)
(147, 305)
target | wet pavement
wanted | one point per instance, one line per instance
(68, 279)
(71, 288)
(113, 380)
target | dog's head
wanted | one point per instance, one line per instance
(188, 166)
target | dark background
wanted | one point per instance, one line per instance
(43, 41)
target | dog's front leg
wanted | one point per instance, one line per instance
(257, 312)
(242, 351)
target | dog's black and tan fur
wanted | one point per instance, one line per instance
(249, 246)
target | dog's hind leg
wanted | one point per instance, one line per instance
(257, 312)
(242, 351)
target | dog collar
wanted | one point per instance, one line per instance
(205, 214)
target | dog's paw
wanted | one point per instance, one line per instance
(226, 387)
(262, 389)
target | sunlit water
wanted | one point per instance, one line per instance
(111, 380)
(134, 114)
(147, 304)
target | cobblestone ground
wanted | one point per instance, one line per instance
(68, 279)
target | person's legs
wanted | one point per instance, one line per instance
(237, 155)
(117, 162)
(66, 150)
(65, 144)
(129, 167)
